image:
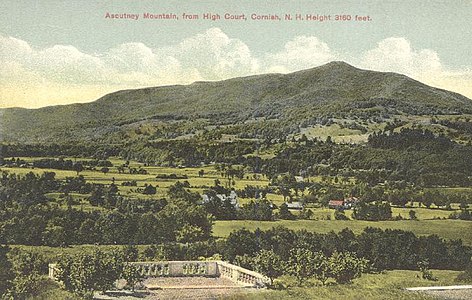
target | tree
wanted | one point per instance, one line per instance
(78, 167)
(189, 233)
(132, 276)
(301, 264)
(344, 266)
(340, 215)
(465, 276)
(241, 242)
(6, 275)
(464, 205)
(104, 170)
(284, 213)
(256, 210)
(426, 273)
(97, 197)
(377, 211)
(89, 272)
(87, 233)
(130, 253)
(269, 264)
(113, 189)
(220, 209)
(180, 190)
(321, 267)
(149, 189)
(412, 215)
(25, 275)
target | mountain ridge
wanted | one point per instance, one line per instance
(335, 88)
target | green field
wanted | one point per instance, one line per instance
(448, 229)
(338, 134)
(386, 286)
(323, 218)
(197, 183)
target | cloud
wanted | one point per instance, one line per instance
(302, 52)
(395, 54)
(12, 49)
(62, 74)
(215, 55)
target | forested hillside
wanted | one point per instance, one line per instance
(304, 98)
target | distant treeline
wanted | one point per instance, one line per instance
(57, 150)
(385, 249)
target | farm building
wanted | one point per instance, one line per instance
(233, 197)
(295, 205)
(347, 203)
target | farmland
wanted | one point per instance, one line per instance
(448, 229)
(388, 202)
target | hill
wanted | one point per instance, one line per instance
(332, 90)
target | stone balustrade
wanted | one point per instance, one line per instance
(235, 273)
(177, 268)
(241, 275)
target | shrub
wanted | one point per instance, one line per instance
(425, 271)
(340, 215)
(465, 276)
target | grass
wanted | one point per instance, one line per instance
(422, 213)
(448, 229)
(196, 182)
(52, 290)
(338, 134)
(385, 286)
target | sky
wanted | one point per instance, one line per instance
(67, 51)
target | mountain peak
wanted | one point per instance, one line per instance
(338, 64)
(335, 66)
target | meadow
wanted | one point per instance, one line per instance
(448, 229)
(385, 286)
(430, 220)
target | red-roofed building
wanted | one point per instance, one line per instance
(336, 204)
(347, 203)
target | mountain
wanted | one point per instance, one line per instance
(335, 89)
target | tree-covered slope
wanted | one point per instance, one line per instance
(334, 89)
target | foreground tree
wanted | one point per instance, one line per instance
(6, 275)
(345, 266)
(269, 264)
(321, 267)
(86, 273)
(25, 279)
(301, 264)
(132, 276)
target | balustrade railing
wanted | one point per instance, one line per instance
(235, 273)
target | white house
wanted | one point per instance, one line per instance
(233, 197)
(295, 205)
